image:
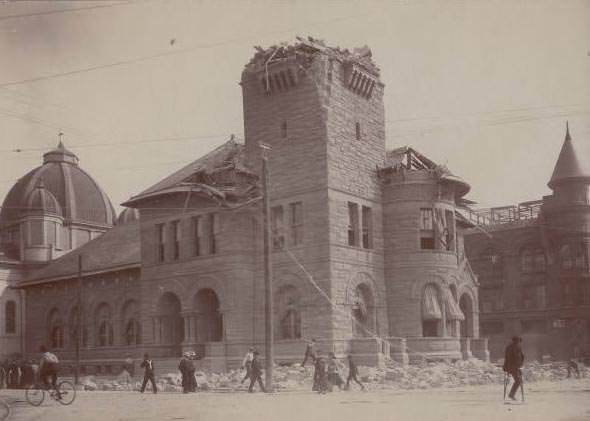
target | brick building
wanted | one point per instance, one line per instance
(367, 245)
(532, 263)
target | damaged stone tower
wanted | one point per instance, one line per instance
(321, 111)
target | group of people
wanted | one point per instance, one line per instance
(326, 373)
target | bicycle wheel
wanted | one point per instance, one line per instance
(35, 395)
(67, 392)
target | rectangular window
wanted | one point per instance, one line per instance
(175, 231)
(430, 328)
(296, 223)
(450, 227)
(196, 221)
(353, 224)
(357, 127)
(490, 328)
(205, 232)
(284, 130)
(36, 232)
(367, 226)
(533, 326)
(426, 229)
(160, 242)
(276, 224)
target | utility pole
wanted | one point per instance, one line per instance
(268, 337)
(79, 315)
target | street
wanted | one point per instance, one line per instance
(557, 401)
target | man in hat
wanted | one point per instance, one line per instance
(353, 372)
(247, 363)
(513, 361)
(309, 352)
(184, 369)
(256, 373)
(148, 365)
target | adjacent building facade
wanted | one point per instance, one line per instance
(367, 244)
(532, 262)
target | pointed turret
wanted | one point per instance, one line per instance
(571, 165)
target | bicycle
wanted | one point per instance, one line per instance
(64, 393)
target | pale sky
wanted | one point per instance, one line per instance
(484, 86)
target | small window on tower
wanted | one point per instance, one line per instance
(358, 131)
(284, 130)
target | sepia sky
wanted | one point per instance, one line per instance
(142, 87)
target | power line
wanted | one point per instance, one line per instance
(59, 11)
(168, 53)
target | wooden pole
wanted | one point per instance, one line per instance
(268, 312)
(79, 315)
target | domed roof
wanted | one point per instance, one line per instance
(571, 164)
(42, 201)
(128, 215)
(79, 197)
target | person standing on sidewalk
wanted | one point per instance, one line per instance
(309, 352)
(513, 361)
(184, 371)
(148, 365)
(353, 372)
(247, 364)
(256, 373)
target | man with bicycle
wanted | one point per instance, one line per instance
(48, 368)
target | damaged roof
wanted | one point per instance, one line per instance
(117, 249)
(220, 174)
(303, 51)
(406, 158)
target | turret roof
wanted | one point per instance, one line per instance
(571, 164)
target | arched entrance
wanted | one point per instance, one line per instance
(363, 309)
(466, 305)
(171, 326)
(209, 322)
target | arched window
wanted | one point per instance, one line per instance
(533, 260)
(565, 255)
(10, 317)
(104, 325)
(289, 313)
(431, 312)
(131, 327)
(74, 330)
(56, 332)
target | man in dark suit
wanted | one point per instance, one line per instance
(513, 361)
(148, 365)
(353, 372)
(256, 373)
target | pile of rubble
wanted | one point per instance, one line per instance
(424, 375)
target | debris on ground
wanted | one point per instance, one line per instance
(425, 375)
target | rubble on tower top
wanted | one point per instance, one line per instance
(305, 49)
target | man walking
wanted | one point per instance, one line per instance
(148, 365)
(247, 364)
(353, 372)
(309, 352)
(513, 361)
(256, 373)
(184, 369)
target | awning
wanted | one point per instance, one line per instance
(452, 309)
(430, 306)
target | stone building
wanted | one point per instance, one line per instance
(367, 244)
(532, 262)
(50, 211)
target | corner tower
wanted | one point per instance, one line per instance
(321, 111)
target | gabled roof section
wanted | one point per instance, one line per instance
(116, 249)
(571, 164)
(220, 174)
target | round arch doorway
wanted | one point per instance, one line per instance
(209, 321)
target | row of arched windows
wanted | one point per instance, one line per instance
(533, 258)
(100, 324)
